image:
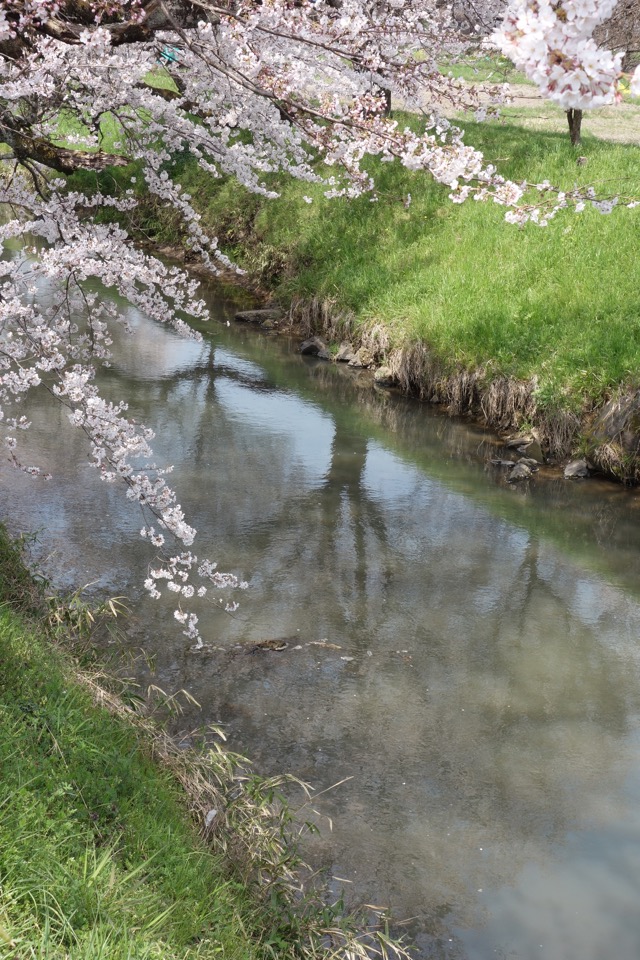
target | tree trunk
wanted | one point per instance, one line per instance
(387, 102)
(574, 118)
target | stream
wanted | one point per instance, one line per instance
(461, 652)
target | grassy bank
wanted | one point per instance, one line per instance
(559, 303)
(102, 855)
(98, 857)
(555, 309)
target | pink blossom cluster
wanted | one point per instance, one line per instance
(57, 348)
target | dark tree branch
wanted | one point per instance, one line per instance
(27, 147)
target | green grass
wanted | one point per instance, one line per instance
(69, 124)
(161, 79)
(100, 858)
(97, 858)
(561, 303)
(483, 68)
(614, 123)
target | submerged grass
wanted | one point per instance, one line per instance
(100, 857)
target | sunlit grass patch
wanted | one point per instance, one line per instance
(560, 303)
(619, 123)
(161, 79)
(70, 129)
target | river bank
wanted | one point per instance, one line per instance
(116, 840)
(534, 329)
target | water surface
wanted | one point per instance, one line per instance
(480, 679)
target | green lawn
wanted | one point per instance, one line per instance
(560, 303)
(479, 67)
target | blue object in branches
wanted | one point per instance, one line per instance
(169, 55)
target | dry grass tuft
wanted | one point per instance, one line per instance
(613, 460)
(559, 433)
(376, 340)
(249, 822)
(321, 315)
(247, 818)
(609, 458)
(507, 402)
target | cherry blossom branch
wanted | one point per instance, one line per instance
(289, 86)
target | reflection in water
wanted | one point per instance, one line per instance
(481, 684)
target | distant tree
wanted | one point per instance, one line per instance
(586, 45)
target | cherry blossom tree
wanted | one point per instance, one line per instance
(616, 28)
(248, 88)
(554, 44)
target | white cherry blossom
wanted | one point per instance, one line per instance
(246, 88)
